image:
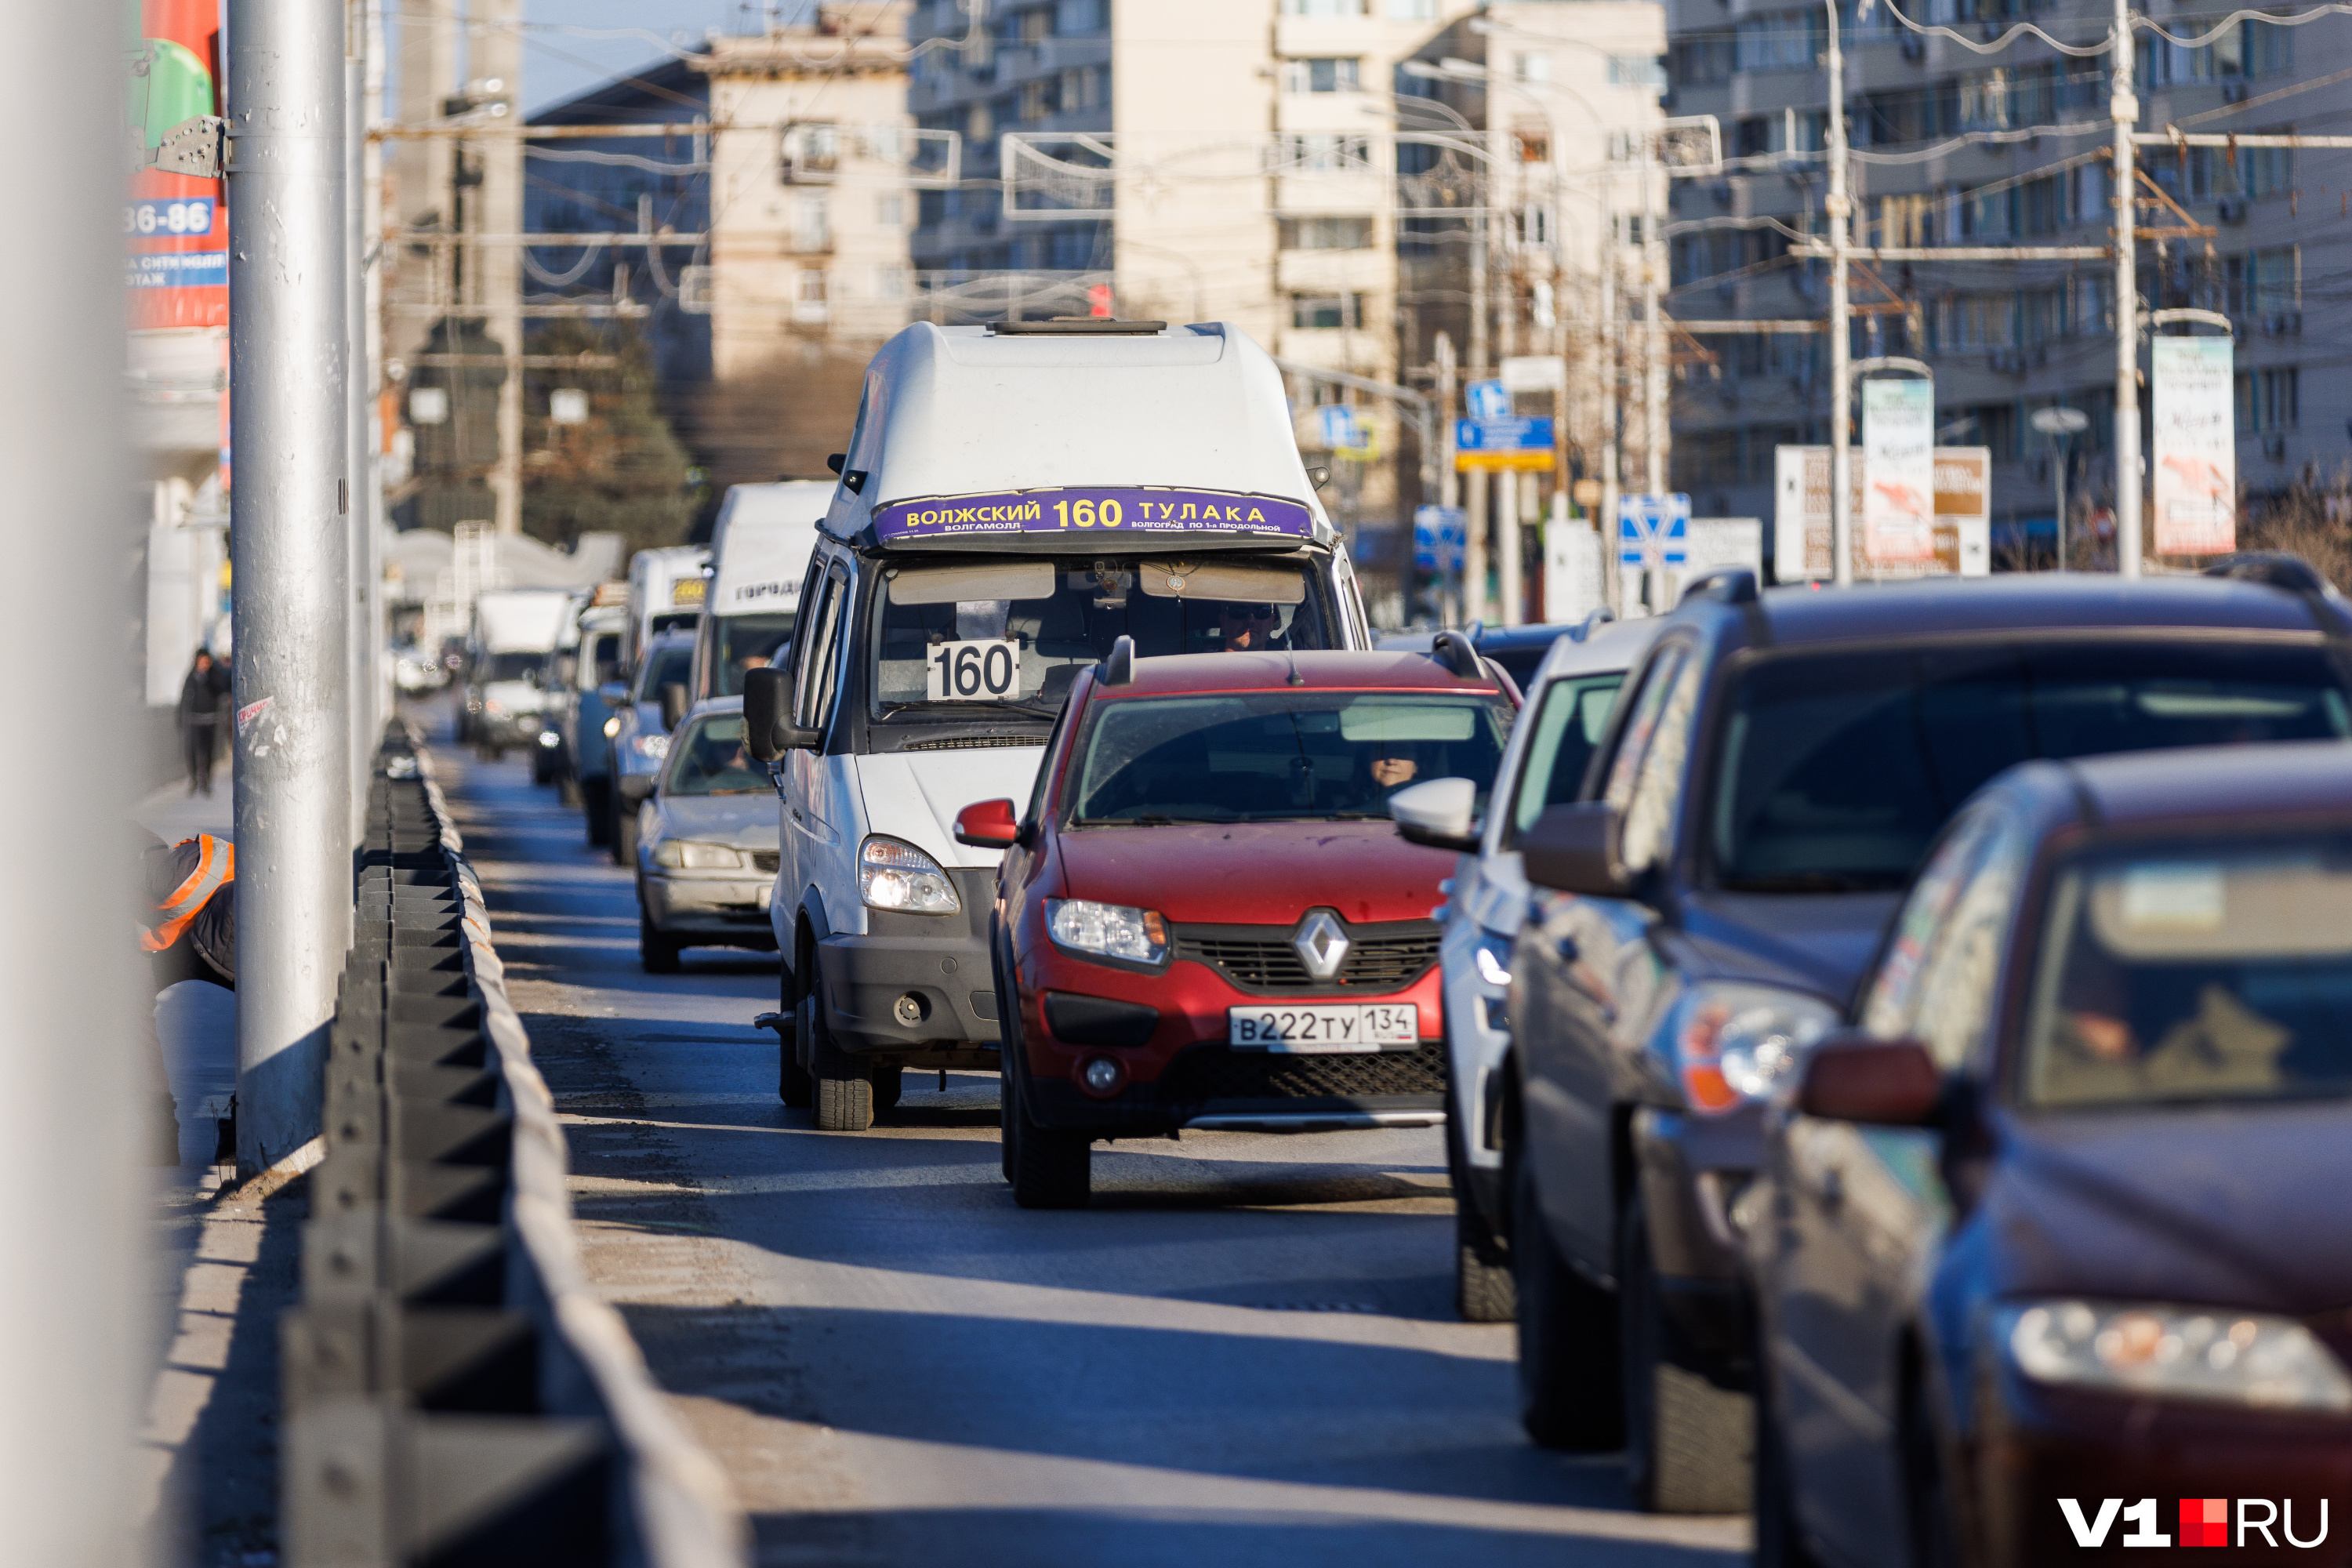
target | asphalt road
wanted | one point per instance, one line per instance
(1243, 1353)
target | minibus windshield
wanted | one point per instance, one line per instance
(1009, 635)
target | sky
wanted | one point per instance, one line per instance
(563, 56)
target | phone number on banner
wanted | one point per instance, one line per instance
(1136, 510)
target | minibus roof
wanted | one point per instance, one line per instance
(1043, 434)
(760, 547)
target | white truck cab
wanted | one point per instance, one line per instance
(760, 550)
(1015, 499)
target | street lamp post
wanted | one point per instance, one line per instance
(1838, 209)
(2061, 425)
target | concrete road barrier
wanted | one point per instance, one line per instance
(454, 1391)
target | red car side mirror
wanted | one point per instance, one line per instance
(1881, 1083)
(987, 825)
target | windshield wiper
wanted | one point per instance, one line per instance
(1815, 882)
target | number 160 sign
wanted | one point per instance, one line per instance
(988, 670)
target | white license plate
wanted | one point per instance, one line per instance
(1327, 1029)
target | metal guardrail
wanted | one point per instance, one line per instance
(454, 1392)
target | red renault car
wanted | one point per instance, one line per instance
(1206, 917)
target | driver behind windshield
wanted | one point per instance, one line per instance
(1249, 628)
(1316, 755)
(715, 761)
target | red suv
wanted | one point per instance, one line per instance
(1206, 917)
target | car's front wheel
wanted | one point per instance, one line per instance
(844, 1086)
(1568, 1335)
(1689, 1441)
(793, 1085)
(659, 952)
(1049, 1167)
(623, 836)
(1483, 1289)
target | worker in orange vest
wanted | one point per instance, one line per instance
(189, 931)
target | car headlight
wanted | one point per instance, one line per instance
(686, 855)
(1738, 1044)
(1107, 931)
(493, 706)
(611, 726)
(550, 739)
(2175, 1352)
(899, 877)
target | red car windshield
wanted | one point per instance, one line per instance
(1278, 756)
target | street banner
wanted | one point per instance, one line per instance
(175, 227)
(1898, 446)
(2196, 448)
(1801, 543)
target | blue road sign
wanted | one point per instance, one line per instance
(1523, 435)
(1487, 400)
(1653, 531)
(1440, 539)
(1340, 431)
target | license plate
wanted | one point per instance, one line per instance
(1323, 1029)
(988, 670)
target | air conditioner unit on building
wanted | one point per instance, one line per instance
(2232, 210)
(2274, 447)
(2233, 92)
(2283, 323)
(2004, 360)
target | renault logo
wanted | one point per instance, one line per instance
(1321, 945)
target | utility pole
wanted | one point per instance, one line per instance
(495, 56)
(1510, 568)
(1474, 548)
(377, 706)
(1449, 478)
(289, 345)
(1839, 208)
(76, 1332)
(359, 638)
(1654, 332)
(2123, 108)
(1612, 576)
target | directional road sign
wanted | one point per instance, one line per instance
(1340, 428)
(1519, 443)
(1653, 531)
(1439, 538)
(1487, 400)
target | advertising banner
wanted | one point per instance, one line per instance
(2196, 462)
(1898, 451)
(175, 227)
(1802, 544)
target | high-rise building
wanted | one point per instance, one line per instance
(1955, 145)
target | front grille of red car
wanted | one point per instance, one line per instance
(1208, 1073)
(1375, 961)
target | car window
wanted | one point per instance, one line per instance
(664, 666)
(1649, 821)
(748, 642)
(607, 657)
(1036, 812)
(2194, 972)
(1934, 982)
(1837, 769)
(820, 664)
(1624, 764)
(1571, 720)
(713, 761)
(1008, 636)
(1277, 756)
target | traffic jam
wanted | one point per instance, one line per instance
(1888, 1045)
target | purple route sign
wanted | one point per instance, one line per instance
(1082, 510)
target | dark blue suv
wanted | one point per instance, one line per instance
(1777, 768)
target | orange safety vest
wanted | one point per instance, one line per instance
(216, 864)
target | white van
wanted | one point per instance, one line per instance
(760, 548)
(1015, 499)
(666, 593)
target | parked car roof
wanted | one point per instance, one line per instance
(2216, 784)
(1274, 672)
(2062, 600)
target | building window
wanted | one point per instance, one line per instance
(1412, 10)
(811, 151)
(812, 225)
(809, 297)
(980, 124)
(1311, 311)
(1963, 322)
(2269, 400)
(1648, 72)
(1328, 74)
(891, 282)
(1326, 232)
(2263, 282)
(1037, 102)
(1704, 59)
(1321, 152)
(1535, 69)
(889, 210)
(1035, 26)
(1779, 40)
(1078, 18)
(1322, 8)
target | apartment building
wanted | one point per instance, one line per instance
(1956, 146)
(784, 259)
